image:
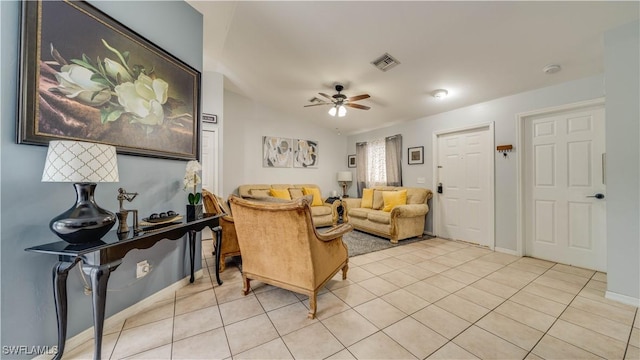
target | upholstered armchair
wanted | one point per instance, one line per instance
(280, 246)
(215, 204)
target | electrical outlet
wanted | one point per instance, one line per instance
(142, 269)
(421, 180)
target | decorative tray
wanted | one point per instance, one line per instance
(158, 221)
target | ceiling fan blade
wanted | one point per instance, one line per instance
(357, 106)
(326, 103)
(327, 96)
(358, 97)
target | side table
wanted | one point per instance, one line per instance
(103, 256)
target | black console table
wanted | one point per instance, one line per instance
(101, 257)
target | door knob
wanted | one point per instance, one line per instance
(597, 196)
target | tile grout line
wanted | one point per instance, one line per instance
(558, 318)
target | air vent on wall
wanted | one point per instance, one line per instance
(385, 62)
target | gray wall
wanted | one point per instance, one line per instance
(27, 308)
(622, 74)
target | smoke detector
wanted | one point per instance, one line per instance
(551, 69)
(440, 93)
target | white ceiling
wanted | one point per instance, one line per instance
(281, 54)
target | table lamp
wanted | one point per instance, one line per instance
(344, 177)
(83, 164)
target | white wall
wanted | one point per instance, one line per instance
(622, 73)
(503, 113)
(246, 122)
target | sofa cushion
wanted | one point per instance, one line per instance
(393, 198)
(416, 195)
(317, 199)
(367, 198)
(320, 210)
(380, 217)
(295, 193)
(360, 213)
(259, 192)
(280, 193)
(378, 202)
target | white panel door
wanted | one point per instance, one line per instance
(209, 160)
(464, 171)
(564, 169)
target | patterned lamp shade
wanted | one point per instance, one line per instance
(78, 162)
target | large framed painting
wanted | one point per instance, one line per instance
(305, 154)
(84, 76)
(277, 152)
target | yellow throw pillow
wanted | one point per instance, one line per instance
(367, 198)
(317, 198)
(280, 193)
(393, 199)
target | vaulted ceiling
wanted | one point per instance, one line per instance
(282, 54)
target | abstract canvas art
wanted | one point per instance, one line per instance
(305, 154)
(277, 152)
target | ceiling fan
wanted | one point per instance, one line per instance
(339, 101)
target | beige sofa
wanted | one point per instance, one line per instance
(402, 222)
(324, 215)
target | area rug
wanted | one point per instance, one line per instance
(360, 243)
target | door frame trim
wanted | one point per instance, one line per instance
(492, 183)
(521, 118)
(214, 129)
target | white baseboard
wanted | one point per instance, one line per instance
(628, 300)
(506, 251)
(141, 305)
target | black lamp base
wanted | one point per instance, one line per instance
(85, 221)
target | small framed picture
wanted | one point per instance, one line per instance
(351, 161)
(416, 155)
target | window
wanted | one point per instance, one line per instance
(379, 162)
(376, 163)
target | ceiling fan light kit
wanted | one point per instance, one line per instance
(339, 101)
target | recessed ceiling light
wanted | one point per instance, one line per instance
(551, 69)
(440, 93)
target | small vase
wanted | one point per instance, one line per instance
(194, 212)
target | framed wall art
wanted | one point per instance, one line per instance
(84, 76)
(305, 154)
(351, 161)
(416, 155)
(277, 152)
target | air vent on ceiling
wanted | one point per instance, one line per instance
(385, 62)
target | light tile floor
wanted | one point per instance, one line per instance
(434, 299)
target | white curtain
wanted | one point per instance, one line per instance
(376, 163)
